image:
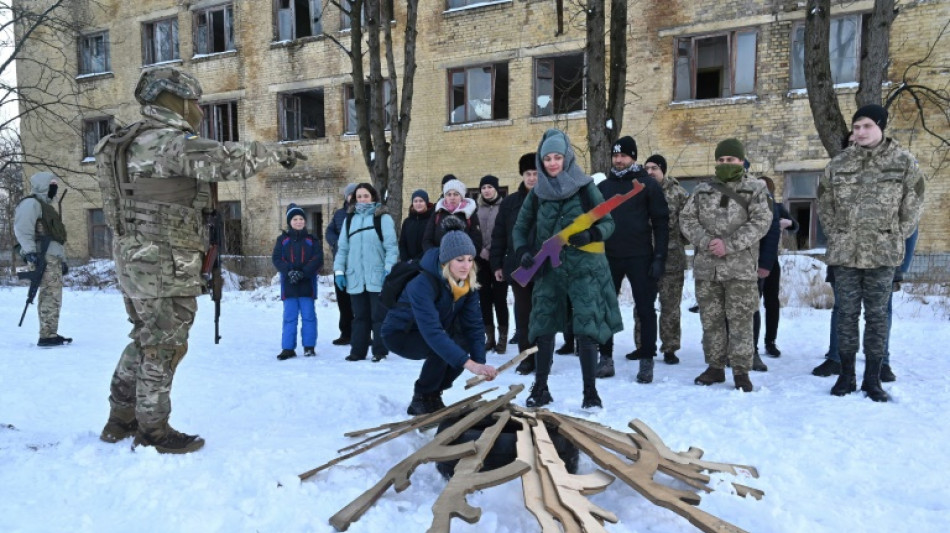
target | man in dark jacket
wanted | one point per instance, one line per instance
(637, 251)
(334, 229)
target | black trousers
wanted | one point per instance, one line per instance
(522, 313)
(637, 271)
(493, 295)
(346, 312)
(436, 374)
(367, 318)
(768, 290)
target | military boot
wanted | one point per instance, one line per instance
(168, 440)
(120, 426)
(526, 366)
(741, 380)
(757, 364)
(645, 375)
(710, 376)
(490, 335)
(846, 383)
(502, 345)
(591, 398)
(871, 385)
(887, 375)
(605, 368)
(827, 368)
(670, 358)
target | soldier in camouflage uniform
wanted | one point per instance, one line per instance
(670, 286)
(724, 219)
(155, 176)
(34, 222)
(869, 202)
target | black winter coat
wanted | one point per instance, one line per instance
(503, 254)
(335, 227)
(643, 222)
(412, 233)
(298, 250)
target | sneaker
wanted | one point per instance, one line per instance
(308, 351)
(758, 365)
(50, 342)
(378, 358)
(591, 399)
(670, 358)
(286, 354)
(171, 442)
(354, 357)
(645, 375)
(540, 396)
(526, 366)
(771, 350)
(827, 368)
(711, 376)
(605, 368)
(742, 382)
(116, 430)
(342, 341)
(887, 375)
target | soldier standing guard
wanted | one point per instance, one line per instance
(154, 176)
(869, 202)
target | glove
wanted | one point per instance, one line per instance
(294, 276)
(527, 260)
(340, 281)
(579, 239)
(657, 268)
(31, 258)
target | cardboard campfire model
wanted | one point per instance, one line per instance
(557, 498)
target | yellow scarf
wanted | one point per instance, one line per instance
(459, 290)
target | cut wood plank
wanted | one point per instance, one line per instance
(393, 425)
(641, 428)
(531, 480)
(504, 366)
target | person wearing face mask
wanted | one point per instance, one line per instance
(724, 219)
(452, 204)
(39, 231)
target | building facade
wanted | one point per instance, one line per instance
(491, 77)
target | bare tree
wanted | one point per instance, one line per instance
(605, 102)
(11, 188)
(825, 110)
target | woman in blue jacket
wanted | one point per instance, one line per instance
(438, 319)
(366, 252)
(298, 256)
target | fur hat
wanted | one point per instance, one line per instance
(659, 161)
(295, 210)
(625, 145)
(874, 112)
(454, 185)
(488, 179)
(731, 147)
(527, 163)
(455, 242)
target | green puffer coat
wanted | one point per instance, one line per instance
(583, 277)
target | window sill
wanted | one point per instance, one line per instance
(574, 115)
(305, 142)
(477, 125)
(87, 160)
(92, 76)
(300, 41)
(199, 58)
(841, 88)
(485, 4)
(712, 102)
(173, 62)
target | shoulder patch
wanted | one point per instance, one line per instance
(189, 135)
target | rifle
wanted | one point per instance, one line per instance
(35, 276)
(551, 248)
(211, 267)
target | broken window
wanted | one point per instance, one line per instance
(801, 194)
(346, 20)
(92, 131)
(231, 230)
(715, 66)
(160, 41)
(478, 93)
(350, 126)
(100, 236)
(214, 30)
(298, 18)
(94, 53)
(302, 115)
(220, 121)
(844, 48)
(559, 84)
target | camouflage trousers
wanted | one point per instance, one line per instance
(50, 299)
(872, 287)
(143, 377)
(670, 290)
(725, 310)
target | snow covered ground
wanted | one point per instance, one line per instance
(826, 464)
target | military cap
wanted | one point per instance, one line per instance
(154, 81)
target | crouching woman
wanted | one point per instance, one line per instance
(438, 319)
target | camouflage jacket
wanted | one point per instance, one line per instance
(169, 169)
(676, 197)
(708, 215)
(869, 202)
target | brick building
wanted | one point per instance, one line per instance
(492, 76)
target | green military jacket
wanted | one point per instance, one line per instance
(676, 197)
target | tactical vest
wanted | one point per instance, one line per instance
(172, 212)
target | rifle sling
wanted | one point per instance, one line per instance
(726, 191)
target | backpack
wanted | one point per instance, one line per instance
(395, 282)
(377, 223)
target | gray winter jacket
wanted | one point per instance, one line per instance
(29, 212)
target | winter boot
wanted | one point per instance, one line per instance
(526, 366)
(827, 368)
(741, 380)
(757, 364)
(771, 350)
(354, 357)
(568, 347)
(308, 351)
(636, 355)
(377, 357)
(670, 358)
(711, 376)
(846, 383)
(168, 441)
(286, 354)
(121, 425)
(421, 404)
(591, 398)
(645, 375)
(605, 368)
(887, 375)
(56, 340)
(490, 335)
(502, 345)
(514, 338)
(341, 341)
(540, 395)
(871, 385)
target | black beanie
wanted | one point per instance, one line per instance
(447, 178)
(294, 210)
(488, 180)
(420, 193)
(874, 112)
(659, 161)
(626, 145)
(527, 163)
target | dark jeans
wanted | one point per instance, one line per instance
(768, 291)
(637, 270)
(493, 294)
(346, 312)
(522, 313)
(436, 374)
(367, 317)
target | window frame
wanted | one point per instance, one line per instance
(732, 40)
(149, 35)
(91, 138)
(96, 228)
(536, 112)
(793, 61)
(346, 23)
(316, 22)
(348, 96)
(86, 66)
(494, 92)
(212, 126)
(206, 47)
(294, 99)
(816, 235)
